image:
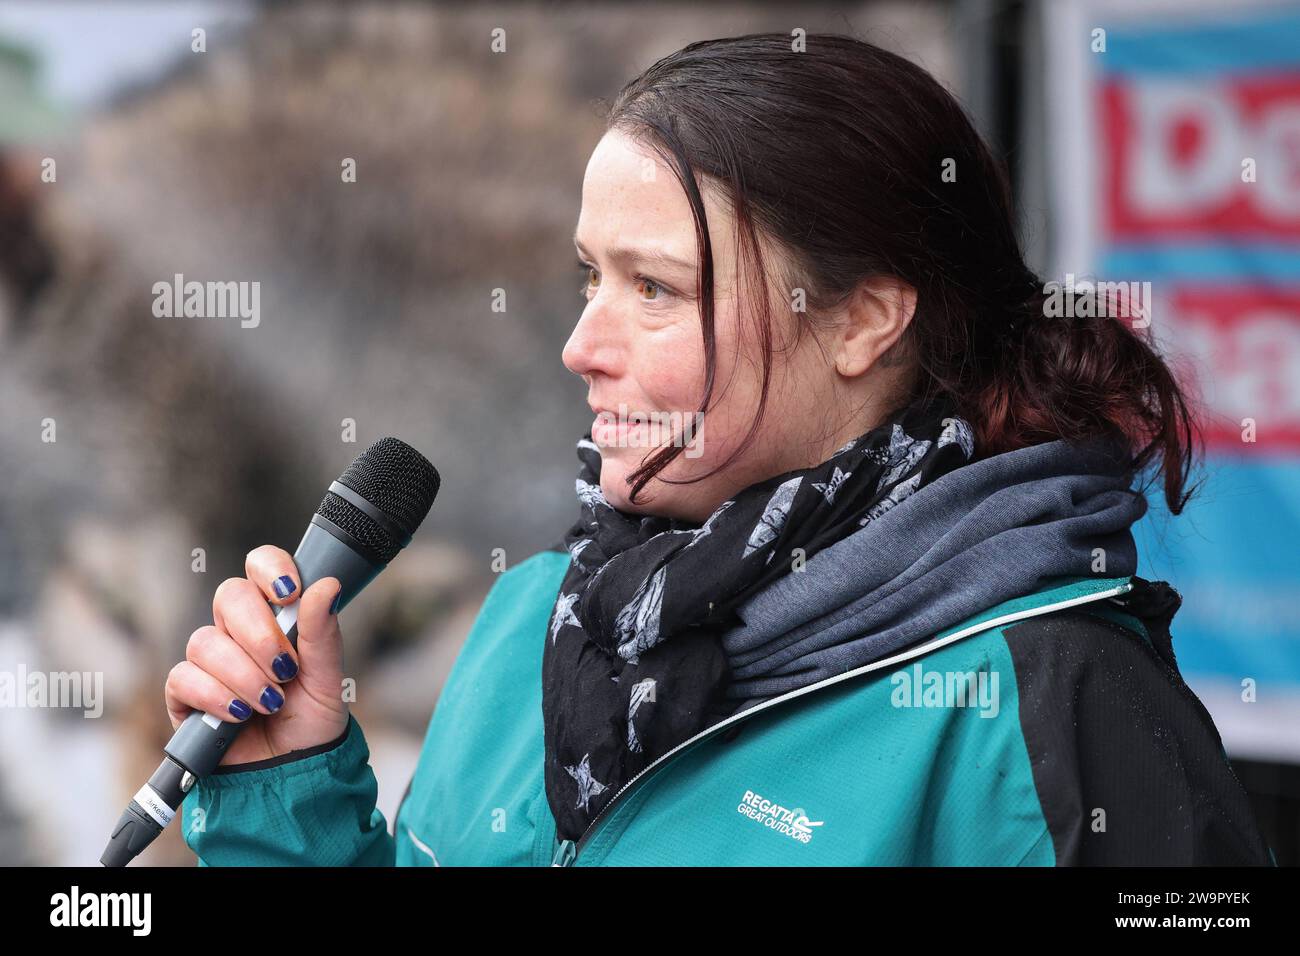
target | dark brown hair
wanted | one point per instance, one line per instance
(836, 154)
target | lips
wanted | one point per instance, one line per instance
(630, 419)
(611, 417)
(610, 431)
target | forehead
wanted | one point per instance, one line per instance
(629, 194)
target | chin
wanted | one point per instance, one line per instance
(653, 501)
(616, 489)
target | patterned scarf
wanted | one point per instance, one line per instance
(633, 663)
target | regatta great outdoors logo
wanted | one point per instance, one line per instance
(792, 822)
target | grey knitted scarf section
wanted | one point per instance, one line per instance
(993, 530)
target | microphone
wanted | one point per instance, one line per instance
(367, 517)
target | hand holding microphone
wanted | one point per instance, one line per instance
(249, 659)
(242, 665)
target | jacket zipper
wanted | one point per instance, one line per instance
(566, 851)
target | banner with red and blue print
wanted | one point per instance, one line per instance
(1174, 145)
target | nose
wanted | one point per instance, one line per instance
(595, 345)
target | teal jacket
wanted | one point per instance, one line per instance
(1051, 729)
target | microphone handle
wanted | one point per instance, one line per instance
(199, 743)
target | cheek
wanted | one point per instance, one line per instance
(792, 402)
(675, 382)
(670, 370)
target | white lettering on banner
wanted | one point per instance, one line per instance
(1161, 187)
(1188, 142)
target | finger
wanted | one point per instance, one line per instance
(320, 642)
(272, 569)
(218, 654)
(239, 608)
(190, 688)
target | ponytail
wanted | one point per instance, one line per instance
(1042, 376)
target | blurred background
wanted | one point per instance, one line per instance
(142, 456)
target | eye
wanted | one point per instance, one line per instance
(649, 285)
(590, 278)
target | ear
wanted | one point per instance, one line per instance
(875, 317)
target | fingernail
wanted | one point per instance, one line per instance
(334, 605)
(240, 709)
(271, 699)
(284, 666)
(284, 586)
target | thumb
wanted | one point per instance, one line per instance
(320, 642)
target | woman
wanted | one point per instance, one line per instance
(879, 609)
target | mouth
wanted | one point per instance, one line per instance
(610, 431)
(613, 417)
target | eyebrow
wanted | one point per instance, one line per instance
(627, 254)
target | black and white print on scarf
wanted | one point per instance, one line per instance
(633, 664)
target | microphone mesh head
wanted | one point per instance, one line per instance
(397, 480)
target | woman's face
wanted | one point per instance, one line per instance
(638, 344)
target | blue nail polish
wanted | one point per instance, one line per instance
(334, 605)
(240, 709)
(271, 699)
(284, 666)
(284, 586)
